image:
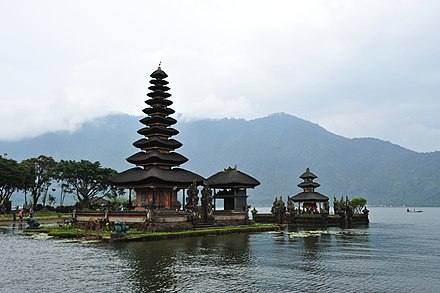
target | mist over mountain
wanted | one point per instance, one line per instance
(275, 149)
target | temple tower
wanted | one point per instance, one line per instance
(156, 179)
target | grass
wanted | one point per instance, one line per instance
(40, 215)
(134, 234)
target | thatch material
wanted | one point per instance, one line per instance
(232, 179)
(156, 157)
(308, 175)
(154, 175)
(309, 196)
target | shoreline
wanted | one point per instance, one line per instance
(63, 233)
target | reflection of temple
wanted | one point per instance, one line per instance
(156, 179)
(309, 199)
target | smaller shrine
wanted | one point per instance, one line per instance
(309, 200)
(230, 186)
(311, 208)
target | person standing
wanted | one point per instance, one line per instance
(20, 215)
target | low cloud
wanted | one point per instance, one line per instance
(364, 68)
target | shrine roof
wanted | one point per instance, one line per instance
(309, 196)
(308, 174)
(232, 178)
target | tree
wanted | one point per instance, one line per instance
(40, 173)
(11, 179)
(86, 180)
(358, 204)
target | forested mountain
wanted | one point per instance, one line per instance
(275, 150)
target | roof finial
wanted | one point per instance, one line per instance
(160, 62)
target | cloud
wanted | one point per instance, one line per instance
(359, 68)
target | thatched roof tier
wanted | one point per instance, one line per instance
(158, 110)
(160, 94)
(157, 158)
(232, 179)
(308, 175)
(158, 87)
(156, 119)
(178, 177)
(167, 144)
(157, 130)
(309, 197)
(158, 101)
(158, 82)
(159, 74)
(309, 185)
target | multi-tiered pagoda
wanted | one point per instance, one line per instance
(157, 178)
(309, 198)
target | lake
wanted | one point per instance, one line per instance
(397, 252)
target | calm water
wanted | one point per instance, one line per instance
(398, 252)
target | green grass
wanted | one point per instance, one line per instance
(40, 215)
(134, 234)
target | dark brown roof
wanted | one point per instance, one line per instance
(308, 175)
(158, 87)
(156, 157)
(157, 110)
(168, 144)
(232, 178)
(309, 185)
(159, 101)
(161, 94)
(159, 74)
(158, 82)
(158, 119)
(157, 130)
(309, 196)
(137, 176)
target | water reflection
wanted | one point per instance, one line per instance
(186, 263)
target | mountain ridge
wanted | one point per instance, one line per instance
(275, 149)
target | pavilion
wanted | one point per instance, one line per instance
(230, 185)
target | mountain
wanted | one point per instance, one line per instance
(274, 149)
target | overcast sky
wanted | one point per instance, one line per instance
(357, 68)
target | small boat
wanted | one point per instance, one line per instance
(413, 211)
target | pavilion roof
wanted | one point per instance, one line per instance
(155, 175)
(309, 196)
(232, 178)
(308, 175)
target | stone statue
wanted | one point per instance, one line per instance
(278, 209)
(290, 205)
(326, 208)
(192, 201)
(207, 213)
(254, 213)
(335, 205)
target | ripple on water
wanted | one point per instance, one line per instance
(386, 257)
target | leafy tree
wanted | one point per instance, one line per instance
(40, 173)
(11, 179)
(358, 204)
(86, 180)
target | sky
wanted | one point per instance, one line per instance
(357, 68)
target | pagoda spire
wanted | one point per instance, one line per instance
(157, 146)
(308, 185)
